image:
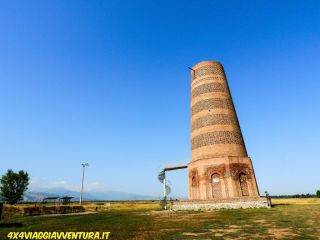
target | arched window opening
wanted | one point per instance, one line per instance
(194, 188)
(194, 181)
(216, 186)
(243, 184)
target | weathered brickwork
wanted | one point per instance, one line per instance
(211, 103)
(216, 78)
(216, 185)
(207, 88)
(237, 168)
(194, 178)
(219, 137)
(220, 167)
(210, 69)
(213, 119)
(194, 182)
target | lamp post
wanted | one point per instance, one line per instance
(164, 192)
(83, 166)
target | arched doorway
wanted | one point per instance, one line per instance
(194, 188)
(243, 184)
(216, 186)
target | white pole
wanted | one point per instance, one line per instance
(81, 193)
(164, 192)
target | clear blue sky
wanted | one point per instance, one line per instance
(106, 82)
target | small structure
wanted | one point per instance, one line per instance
(50, 200)
(59, 205)
(65, 200)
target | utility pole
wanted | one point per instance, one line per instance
(164, 192)
(83, 166)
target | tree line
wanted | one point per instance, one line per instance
(308, 195)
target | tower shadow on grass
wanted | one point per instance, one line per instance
(279, 204)
(9, 225)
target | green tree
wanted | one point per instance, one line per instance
(318, 193)
(13, 186)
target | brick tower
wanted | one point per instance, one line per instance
(220, 167)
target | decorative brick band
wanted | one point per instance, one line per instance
(209, 69)
(216, 78)
(219, 137)
(213, 119)
(207, 88)
(211, 103)
(237, 168)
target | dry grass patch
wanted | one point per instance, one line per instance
(295, 200)
(144, 220)
(195, 234)
(281, 233)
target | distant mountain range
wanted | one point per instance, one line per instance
(97, 196)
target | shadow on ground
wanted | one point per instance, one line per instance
(8, 225)
(279, 204)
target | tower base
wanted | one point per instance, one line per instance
(223, 203)
(222, 178)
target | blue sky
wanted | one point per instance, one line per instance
(106, 82)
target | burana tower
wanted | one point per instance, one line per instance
(220, 167)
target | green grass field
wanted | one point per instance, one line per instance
(288, 219)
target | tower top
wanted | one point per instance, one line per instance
(210, 62)
(207, 69)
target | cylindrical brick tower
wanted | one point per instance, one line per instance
(220, 166)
